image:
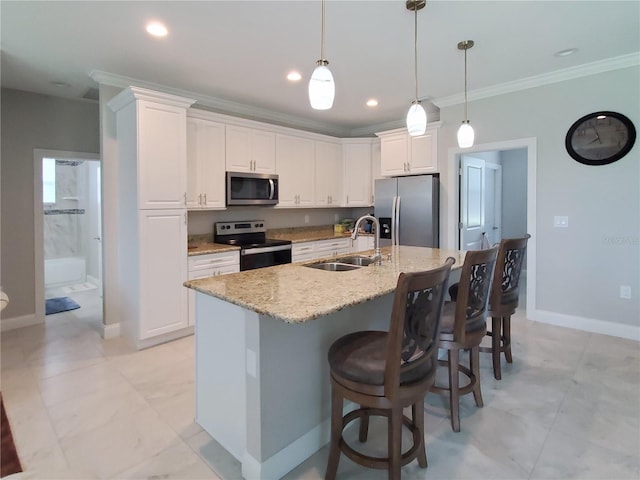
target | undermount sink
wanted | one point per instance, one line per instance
(334, 266)
(356, 260)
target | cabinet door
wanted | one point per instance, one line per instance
(193, 192)
(163, 269)
(211, 161)
(238, 149)
(263, 151)
(195, 275)
(424, 153)
(376, 172)
(295, 171)
(357, 174)
(394, 155)
(162, 152)
(328, 174)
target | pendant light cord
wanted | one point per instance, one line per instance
(465, 85)
(322, 35)
(415, 46)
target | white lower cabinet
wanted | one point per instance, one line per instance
(362, 243)
(333, 248)
(209, 265)
(302, 252)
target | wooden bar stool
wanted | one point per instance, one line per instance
(384, 372)
(464, 325)
(503, 301)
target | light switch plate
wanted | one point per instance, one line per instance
(560, 221)
(625, 292)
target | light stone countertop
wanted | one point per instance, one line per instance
(307, 234)
(294, 293)
(207, 247)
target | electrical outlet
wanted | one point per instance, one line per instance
(306, 219)
(252, 367)
(625, 292)
(561, 221)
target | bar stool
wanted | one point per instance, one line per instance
(384, 372)
(464, 325)
(503, 301)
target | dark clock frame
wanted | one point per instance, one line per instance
(626, 148)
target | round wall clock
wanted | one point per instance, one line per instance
(600, 138)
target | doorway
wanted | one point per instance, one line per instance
(68, 240)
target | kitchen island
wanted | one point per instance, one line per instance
(262, 337)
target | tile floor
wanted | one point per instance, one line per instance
(81, 408)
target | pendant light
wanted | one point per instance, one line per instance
(322, 89)
(416, 117)
(466, 134)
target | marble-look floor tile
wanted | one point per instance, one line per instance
(137, 365)
(79, 382)
(215, 456)
(179, 412)
(84, 413)
(119, 445)
(571, 456)
(176, 462)
(166, 381)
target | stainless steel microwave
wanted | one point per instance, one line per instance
(252, 188)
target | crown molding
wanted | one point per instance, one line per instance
(223, 106)
(615, 63)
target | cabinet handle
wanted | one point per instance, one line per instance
(185, 218)
(185, 199)
(347, 199)
(199, 199)
(205, 199)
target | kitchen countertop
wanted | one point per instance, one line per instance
(294, 293)
(208, 247)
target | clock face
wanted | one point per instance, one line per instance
(600, 138)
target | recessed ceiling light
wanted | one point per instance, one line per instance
(157, 29)
(294, 76)
(372, 102)
(566, 52)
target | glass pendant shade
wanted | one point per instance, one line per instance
(322, 89)
(466, 135)
(416, 120)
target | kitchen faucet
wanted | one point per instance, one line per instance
(377, 257)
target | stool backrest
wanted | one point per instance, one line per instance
(505, 289)
(415, 323)
(473, 292)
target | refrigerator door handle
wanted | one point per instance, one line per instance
(393, 221)
(396, 234)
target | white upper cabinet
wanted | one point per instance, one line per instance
(356, 156)
(296, 158)
(205, 164)
(402, 154)
(375, 168)
(250, 150)
(328, 174)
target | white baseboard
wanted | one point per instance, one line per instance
(167, 337)
(111, 330)
(19, 322)
(621, 330)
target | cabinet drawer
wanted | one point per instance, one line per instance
(301, 248)
(331, 245)
(213, 260)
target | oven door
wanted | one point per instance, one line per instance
(251, 258)
(252, 189)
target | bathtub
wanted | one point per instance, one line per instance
(59, 272)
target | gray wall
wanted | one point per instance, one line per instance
(580, 268)
(514, 193)
(32, 121)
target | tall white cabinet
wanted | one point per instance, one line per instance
(152, 213)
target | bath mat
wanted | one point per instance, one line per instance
(10, 462)
(60, 304)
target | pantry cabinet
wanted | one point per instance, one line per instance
(296, 160)
(205, 164)
(250, 150)
(357, 172)
(328, 174)
(402, 154)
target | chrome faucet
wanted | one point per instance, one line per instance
(377, 257)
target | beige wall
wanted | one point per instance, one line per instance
(31, 121)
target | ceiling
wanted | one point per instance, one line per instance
(233, 56)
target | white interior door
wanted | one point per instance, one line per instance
(472, 201)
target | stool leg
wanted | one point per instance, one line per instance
(454, 394)
(474, 361)
(364, 428)
(506, 333)
(417, 410)
(496, 333)
(394, 446)
(336, 435)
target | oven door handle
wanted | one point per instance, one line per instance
(256, 251)
(272, 189)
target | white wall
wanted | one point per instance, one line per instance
(580, 268)
(32, 121)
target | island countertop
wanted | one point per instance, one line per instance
(294, 293)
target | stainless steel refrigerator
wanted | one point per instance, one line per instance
(408, 210)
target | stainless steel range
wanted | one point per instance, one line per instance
(256, 250)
